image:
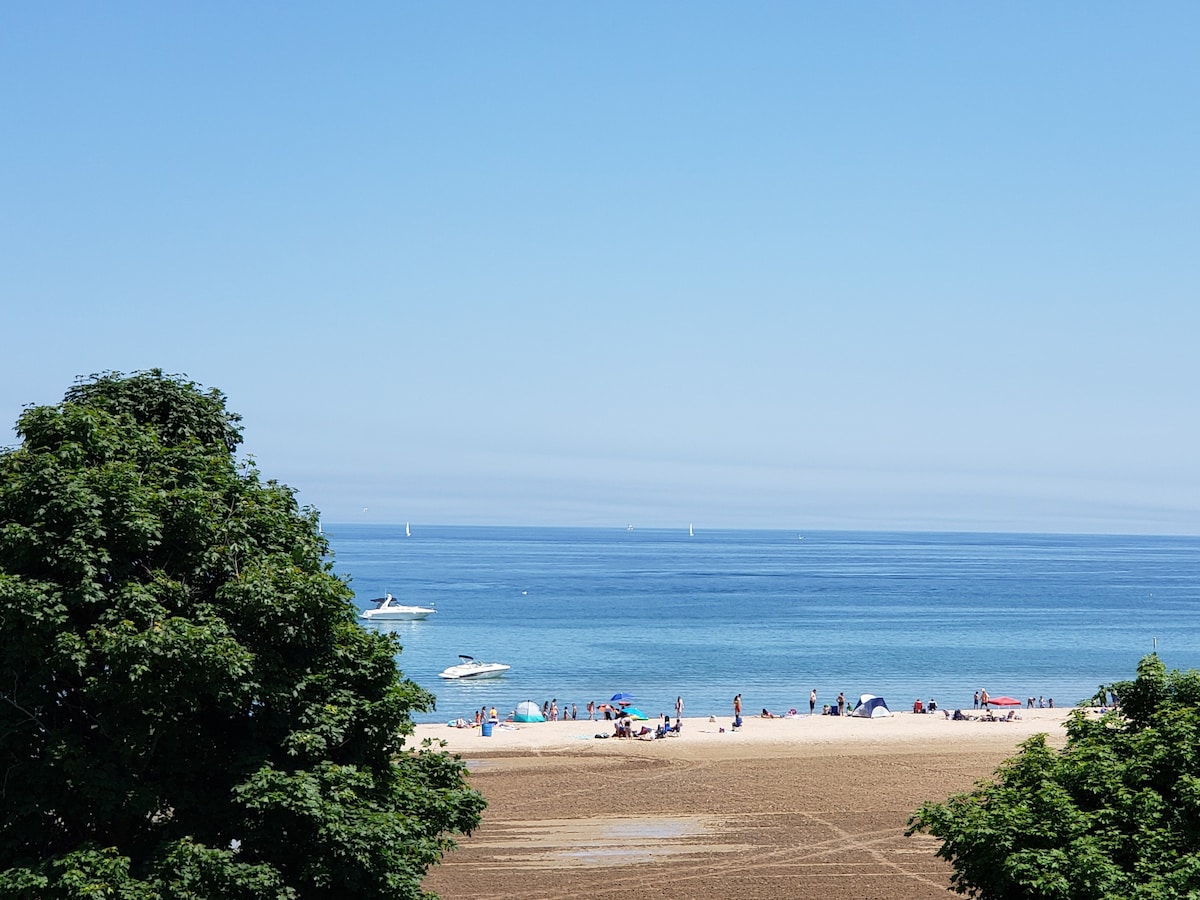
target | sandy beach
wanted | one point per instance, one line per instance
(804, 807)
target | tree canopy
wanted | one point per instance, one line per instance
(188, 707)
(1114, 814)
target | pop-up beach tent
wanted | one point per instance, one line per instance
(871, 707)
(528, 711)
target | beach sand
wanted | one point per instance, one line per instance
(807, 807)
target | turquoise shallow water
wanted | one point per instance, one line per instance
(581, 614)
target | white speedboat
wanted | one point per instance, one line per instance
(473, 668)
(386, 609)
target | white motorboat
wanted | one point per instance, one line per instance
(386, 609)
(470, 667)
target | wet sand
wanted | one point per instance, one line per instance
(781, 808)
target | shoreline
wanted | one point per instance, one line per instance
(778, 735)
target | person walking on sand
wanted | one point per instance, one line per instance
(812, 702)
(591, 708)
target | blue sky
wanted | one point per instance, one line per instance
(782, 265)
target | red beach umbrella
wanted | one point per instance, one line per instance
(1003, 701)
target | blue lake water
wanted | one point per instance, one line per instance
(581, 614)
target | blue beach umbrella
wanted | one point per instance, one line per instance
(621, 698)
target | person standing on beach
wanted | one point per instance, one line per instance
(975, 702)
(841, 703)
(678, 707)
(591, 708)
(812, 702)
(574, 712)
(983, 698)
(737, 706)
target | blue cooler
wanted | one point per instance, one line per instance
(487, 729)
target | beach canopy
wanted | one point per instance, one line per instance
(620, 698)
(633, 712)
(1003, 701)
(528, 711)
(871, 707)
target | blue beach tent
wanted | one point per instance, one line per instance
(528, 711)
(871, 707)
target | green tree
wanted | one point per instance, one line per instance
(187, 705)
(1114, 814)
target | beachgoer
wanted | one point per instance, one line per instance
(932, 705)
(574, 712)
(975, 703)
(765, 714)
(1041, 703)
(1029, 703)
(591, 708)
(918, 707)
(841, 703)
(546, 710)
(678, 707)
(983, 698)
(737, 706)
(554, 710)
(812, 701)
(1051, 703)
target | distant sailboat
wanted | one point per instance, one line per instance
(407, 530)
(691, 533)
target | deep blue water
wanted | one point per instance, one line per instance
(580, 614)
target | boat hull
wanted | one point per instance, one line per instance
(397, 614)
(469, 672)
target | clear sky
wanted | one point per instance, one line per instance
(785, 265)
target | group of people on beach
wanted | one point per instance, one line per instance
(550, 711)
(982, 701)
(836, 708)
(483, 715)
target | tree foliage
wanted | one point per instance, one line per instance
(1114, 814)
(187, 705)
